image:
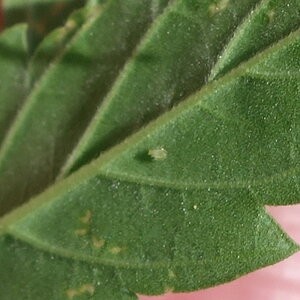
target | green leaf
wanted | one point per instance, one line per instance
(20, 71)
(54, 44)
(72, 278)
(13, 59)
(270, 21)
(180, 34)
(42, 15)
(80, 76)
(179, 204)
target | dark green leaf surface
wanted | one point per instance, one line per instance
(42, 16)
(197, 217)
(54, 44)
(61, 104)
(270, 21)
(33, 272)
(13, 60)
(179, 205)
(180, 34)
(151, 82)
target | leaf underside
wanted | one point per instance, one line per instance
(162, 129)
(13, 64)
(41, 15)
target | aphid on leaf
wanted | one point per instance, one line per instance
(158, 153)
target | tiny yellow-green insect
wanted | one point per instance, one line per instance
(158, 153)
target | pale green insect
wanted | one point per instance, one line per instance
(158, 153)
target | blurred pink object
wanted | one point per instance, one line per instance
(278, 282)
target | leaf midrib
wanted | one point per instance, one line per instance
(104, 106)
(99, 165)
(87, 135)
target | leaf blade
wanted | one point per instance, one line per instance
(179, 36)
(52, 123)
(193, 217)
(54, 44)
(13, 79)
(41, 16)
(33, 277)
(265, 25)
(146, 222)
